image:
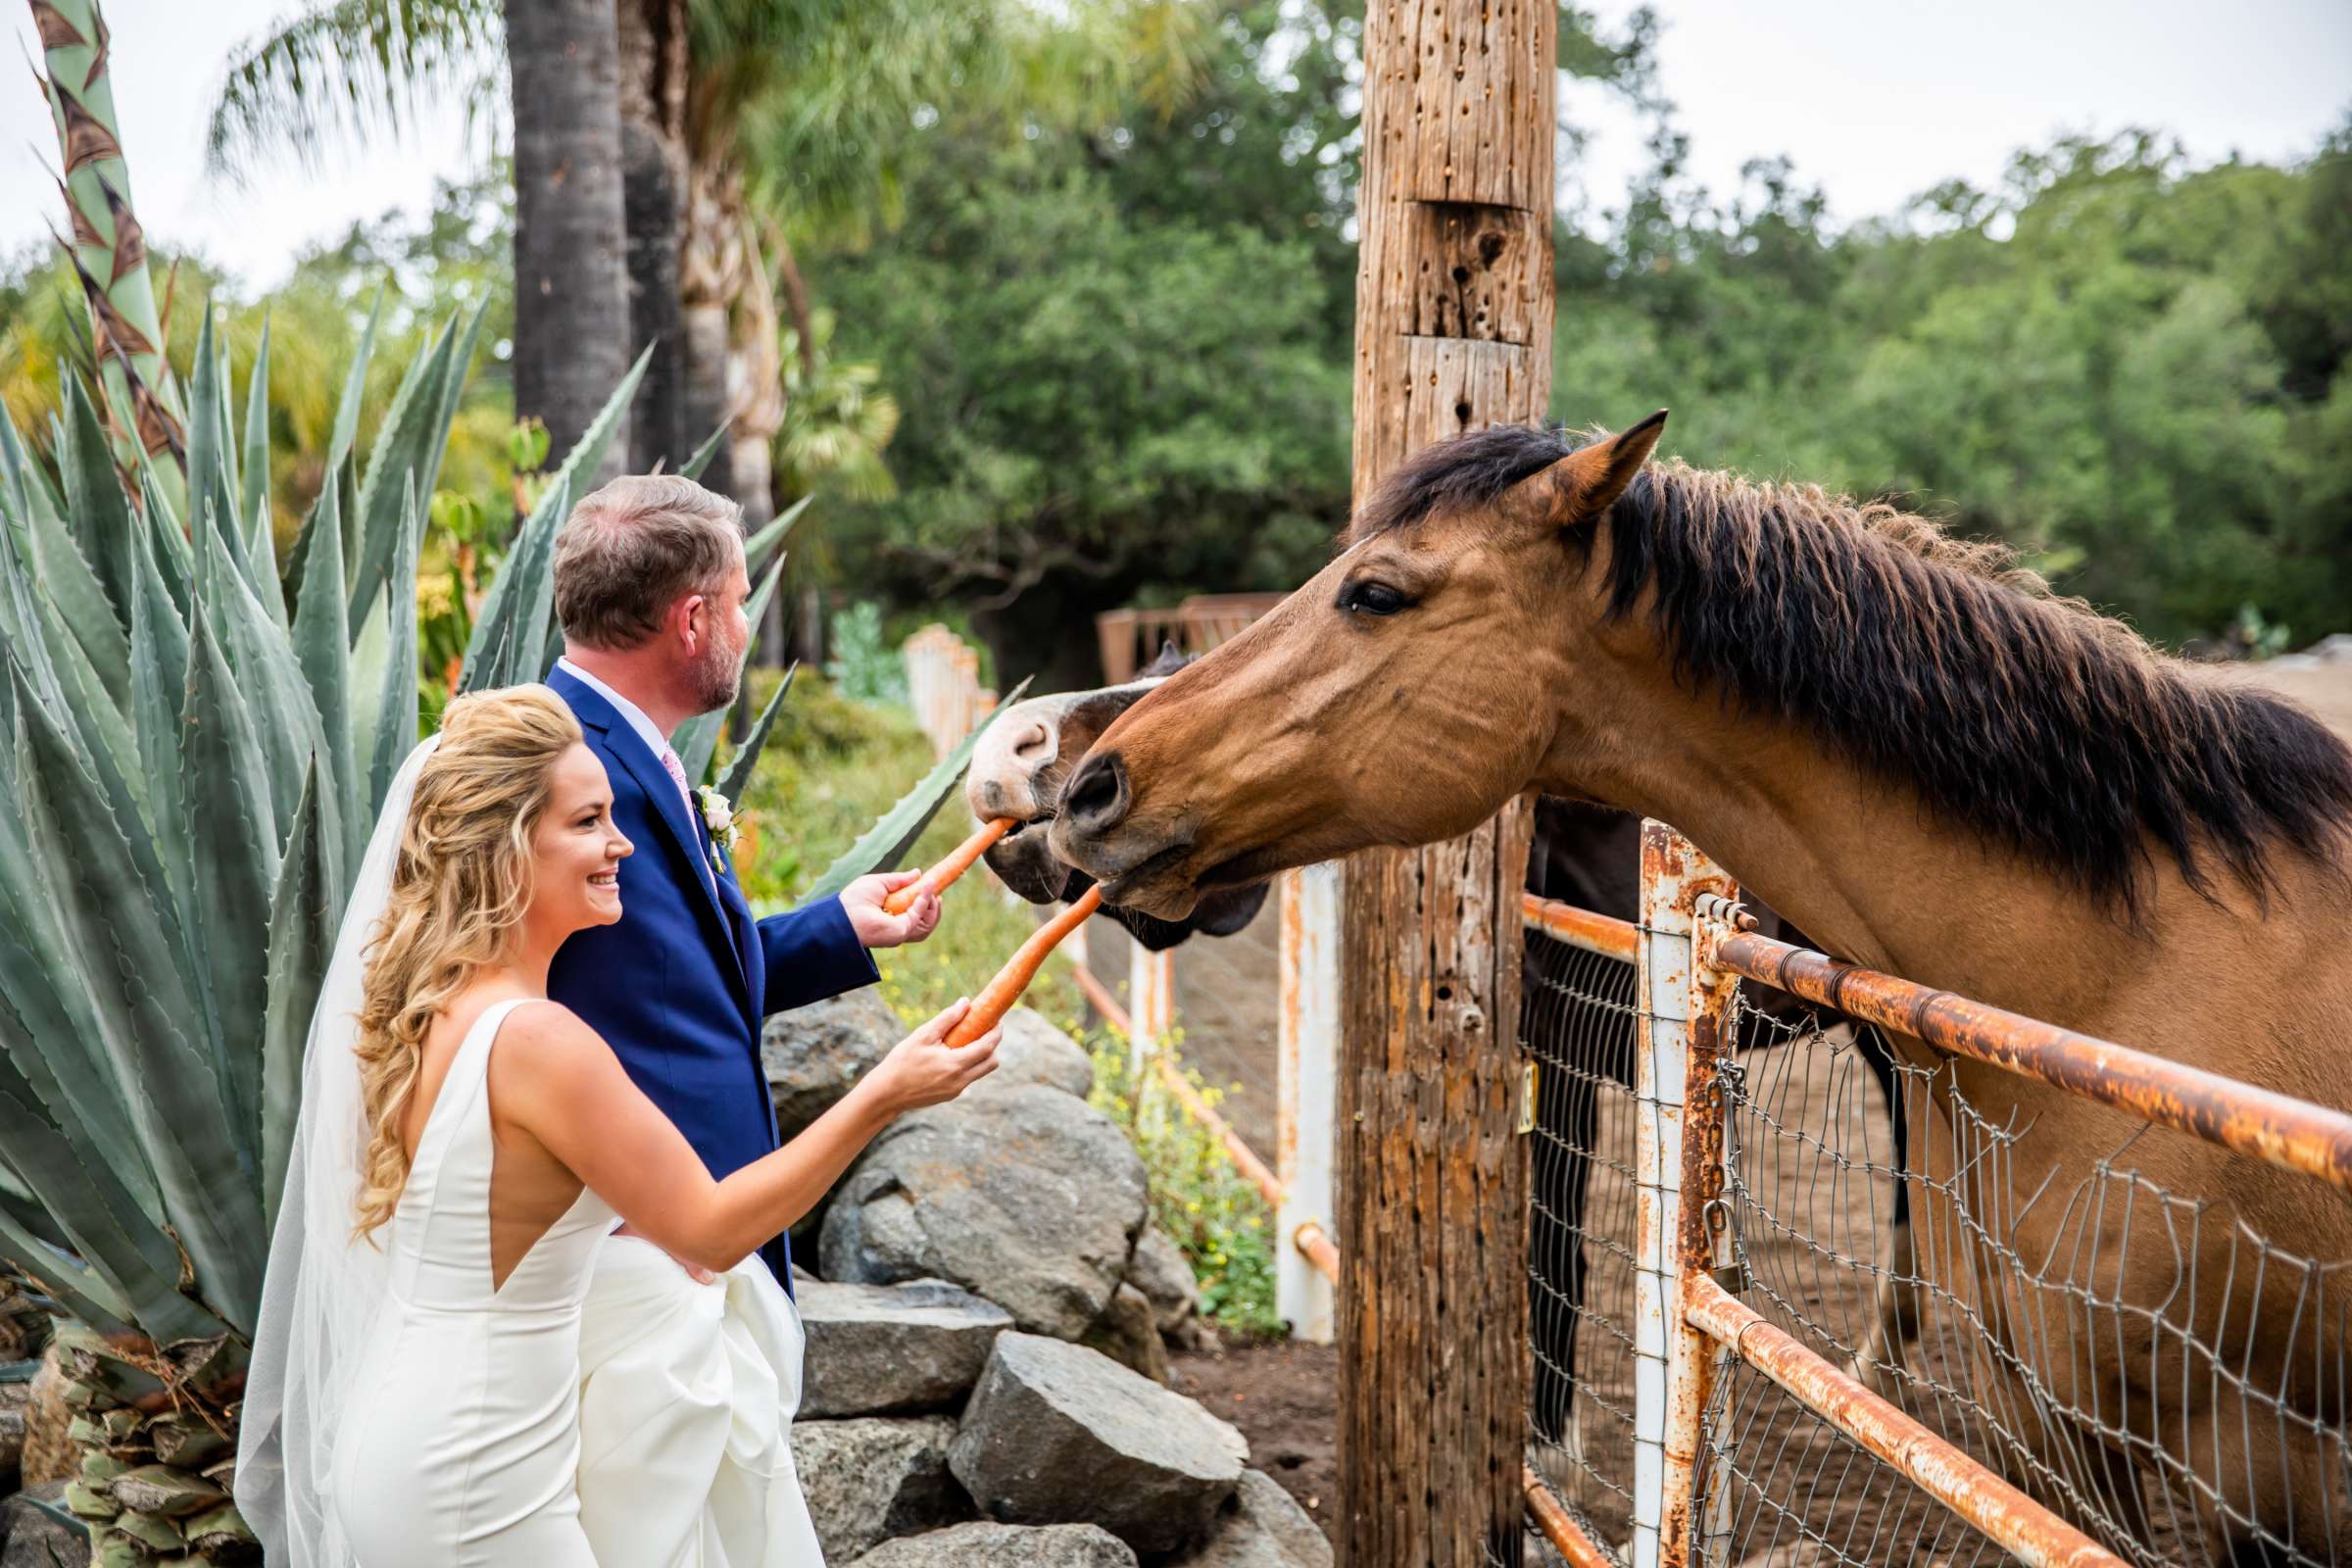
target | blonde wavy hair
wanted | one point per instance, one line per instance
(460, 887)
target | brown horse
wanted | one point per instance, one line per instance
(1934, 768)
(1017, 771)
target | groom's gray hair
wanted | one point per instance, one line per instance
(630, 550)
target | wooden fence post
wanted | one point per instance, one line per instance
(1452, 333)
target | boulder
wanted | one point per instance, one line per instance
(1127, 1335)
(884, 1350)
(1034, 1051)
(875, 1477)
(34, 1540)
(990, 1545)
(1262, 1527)
(1160, 1270)
(813, 1055)
(1025, 1194)
(1058, 1434)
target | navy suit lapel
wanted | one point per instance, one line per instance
(625, 746)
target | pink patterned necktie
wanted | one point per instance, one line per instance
(677, 770)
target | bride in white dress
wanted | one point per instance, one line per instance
(465, 1148)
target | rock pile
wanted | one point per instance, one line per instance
(985, 1352)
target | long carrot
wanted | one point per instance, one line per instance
(997, 998)
(952, 865)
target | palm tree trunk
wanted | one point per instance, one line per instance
(572, 295)
(653, 102)
(716, 270)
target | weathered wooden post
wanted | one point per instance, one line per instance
(1452, 333)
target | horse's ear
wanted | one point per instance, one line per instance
(1585, 484)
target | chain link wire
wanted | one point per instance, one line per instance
(1578, 1026)
(2067, 1322)
(2174, 1385)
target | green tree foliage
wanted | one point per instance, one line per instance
(2129, 368)
(1089, 403)
(1122, 352)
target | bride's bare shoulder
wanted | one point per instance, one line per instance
(547, 1034)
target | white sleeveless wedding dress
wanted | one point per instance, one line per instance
(464, 1447)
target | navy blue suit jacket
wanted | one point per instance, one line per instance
(679, 984)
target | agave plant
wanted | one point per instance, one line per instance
(189, 766)
(195, 738)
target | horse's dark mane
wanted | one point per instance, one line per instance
(2039, 721)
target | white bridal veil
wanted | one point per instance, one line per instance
(322, 1291)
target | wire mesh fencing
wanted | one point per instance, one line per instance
(1577, 1025)
(2142, 1364)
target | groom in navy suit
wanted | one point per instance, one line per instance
(650, 586)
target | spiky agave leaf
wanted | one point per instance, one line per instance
(697, 740)
(225, 808)
(132, 961)
(758, 549)
(212, 494)
(411, 427)
(89, 616)
(304, 910)
(103, 522)
(396, 704)
(740, 767)
(321, 635)
(256, 497)
(695, 464)
(882, 847)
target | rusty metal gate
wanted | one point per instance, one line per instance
(1741, 1356)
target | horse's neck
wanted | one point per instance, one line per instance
(1850, 858)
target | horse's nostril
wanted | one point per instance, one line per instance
(1033, 740)
(1096, 795)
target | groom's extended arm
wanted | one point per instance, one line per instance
(810, 961)
(813, 954)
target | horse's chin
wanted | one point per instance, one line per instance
(1025, 864)
(1171, 885)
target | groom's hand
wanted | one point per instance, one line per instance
(876, 926)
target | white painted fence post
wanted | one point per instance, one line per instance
(1151, 1004)
(1308, 1086)
(1684, 1028)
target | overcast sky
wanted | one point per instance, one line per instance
(1873, 101)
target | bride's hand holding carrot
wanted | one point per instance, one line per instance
(923, 1070)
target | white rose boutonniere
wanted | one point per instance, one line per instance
(718, 815)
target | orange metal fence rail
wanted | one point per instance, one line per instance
(1310, 1239)
(1580, 928)
(2013, 1520)
(2260, 1122)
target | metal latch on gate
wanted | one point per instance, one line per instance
(1526, 1098)
(1733, 1277)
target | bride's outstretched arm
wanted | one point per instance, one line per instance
(563, 1085)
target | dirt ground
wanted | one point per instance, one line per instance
(1281, 1395)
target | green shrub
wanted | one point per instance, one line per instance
(1213, 1212)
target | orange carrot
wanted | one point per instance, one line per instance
(997, 998)
(958, 862)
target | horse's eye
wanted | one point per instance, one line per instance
(1372, 598)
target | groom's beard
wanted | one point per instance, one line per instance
(717, 680)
